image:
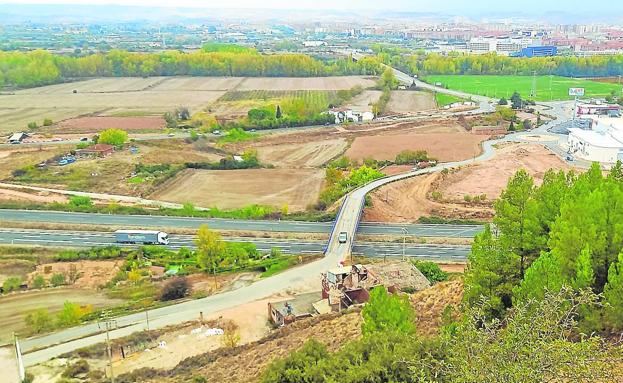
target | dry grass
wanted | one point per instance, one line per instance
(305, 83)
(407, 101)
(430, 304)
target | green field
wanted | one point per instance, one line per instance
(443, 99)
(548, 88)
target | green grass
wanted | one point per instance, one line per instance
(237, 135)
(307, 95)
(443, 99)
(279, 266)
(548, 88)
(136, 180)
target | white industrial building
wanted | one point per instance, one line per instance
(602, 143)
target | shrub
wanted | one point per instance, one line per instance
(467, 198)
(176, 288)
(72, 313)
(38, 282)
(11, 284)
(57, 280)
(436, 195)
(431, 271)
(32, 125)
(80, 201)
(47, 122)
(78, 368)
(39, 321)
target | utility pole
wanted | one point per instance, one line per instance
(108, 323)
(147, 318)
(404, 241)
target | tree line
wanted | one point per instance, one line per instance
(493, 64)
(35, 68)
(565, 233)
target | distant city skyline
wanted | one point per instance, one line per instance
(459, 7)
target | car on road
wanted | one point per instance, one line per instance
(84, 139)
(342, 237)
(569, 158)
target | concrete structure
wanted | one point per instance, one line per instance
(598, 109)
(603, 143)
(287, 311)
(500, 45)
(348, 115)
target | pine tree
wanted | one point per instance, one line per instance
(278, 114)
(544, 275)
(613, 294)
(584, 275)
(385, 312)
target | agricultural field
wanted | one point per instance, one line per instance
(296, 188)
(548, 88)
(90, 125)
(305, 83)
(443, 99)
(140, 97)
(304, 155)
(442, 146)
(406, 101)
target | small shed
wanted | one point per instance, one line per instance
(17, 138)
(287, 311)
(97, 150)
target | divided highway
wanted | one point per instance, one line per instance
(162, 222)
(369, 249)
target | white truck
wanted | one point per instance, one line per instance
(145, 237)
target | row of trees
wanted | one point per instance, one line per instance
(493, 64)
(27, 69)
(566, 232)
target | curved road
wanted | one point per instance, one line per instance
(347, 221)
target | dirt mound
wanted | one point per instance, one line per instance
(406, 201)
(491, 177)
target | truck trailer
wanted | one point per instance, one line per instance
(145, 237)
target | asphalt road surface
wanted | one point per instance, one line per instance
(160, 222)
(369, 249)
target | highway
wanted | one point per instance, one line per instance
(369, 249)
(162, 222)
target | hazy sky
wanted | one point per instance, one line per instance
(448, 6)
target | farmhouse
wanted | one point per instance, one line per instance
(343, 115)
(97, 150)
(603, 143)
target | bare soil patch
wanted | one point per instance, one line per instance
(491, 177)
(364, 101)
(97, 124)
(232, 189)
(90, 274)
(305, 155)
(442, 146)
(407, 201)
(305, 83)
(405, 101)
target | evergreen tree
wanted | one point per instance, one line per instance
(613, 294)
(278, 114)
(512, 218)
(385, 312)
(584, 275)
(544, 275)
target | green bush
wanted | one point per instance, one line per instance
(431, 271)
(39, 321)
(32, 125)
(11, 284)
(38, 282)
(47, 122)
(80, 201)
(57, 280)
